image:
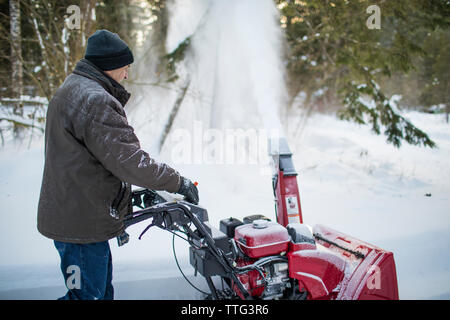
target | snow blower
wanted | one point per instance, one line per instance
(262, 259)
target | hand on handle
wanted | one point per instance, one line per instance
(189, 190)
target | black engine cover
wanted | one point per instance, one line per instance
(227, 226)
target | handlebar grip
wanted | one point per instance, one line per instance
(173, 213)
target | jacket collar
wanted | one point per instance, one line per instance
(87, 69)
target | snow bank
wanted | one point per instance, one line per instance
(377, 195)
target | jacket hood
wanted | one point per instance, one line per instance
(87, 69)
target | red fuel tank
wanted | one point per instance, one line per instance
(262, 238)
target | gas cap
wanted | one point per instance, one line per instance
(260, 224)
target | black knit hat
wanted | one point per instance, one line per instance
(107, 51)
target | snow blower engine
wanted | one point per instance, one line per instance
(257, 258)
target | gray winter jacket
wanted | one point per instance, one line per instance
(92, 156)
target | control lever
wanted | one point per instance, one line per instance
(158, 220)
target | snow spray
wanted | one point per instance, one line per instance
(235, 67)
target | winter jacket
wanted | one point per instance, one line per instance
(92, 157)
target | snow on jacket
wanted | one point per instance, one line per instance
(92, 156)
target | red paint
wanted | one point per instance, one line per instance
(257, 243)
(286, 186)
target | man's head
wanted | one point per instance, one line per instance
(119, 74)
(109, 53)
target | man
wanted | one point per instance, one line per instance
(92, 157)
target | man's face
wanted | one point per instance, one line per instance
(119, 74)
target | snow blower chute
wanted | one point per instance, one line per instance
(262, 259)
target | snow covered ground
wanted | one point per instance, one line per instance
(353, 182)
(349, 180)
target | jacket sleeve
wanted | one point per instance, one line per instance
(112, 141)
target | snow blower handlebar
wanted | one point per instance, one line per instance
(163, 216)
(180, 216)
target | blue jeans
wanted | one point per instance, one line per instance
(87, 270)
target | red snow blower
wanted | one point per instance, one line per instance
(262, 259)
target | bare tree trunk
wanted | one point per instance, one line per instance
(172, 115)
(123, 21)
(215, 114)
(44, 56)
(16, 55)
(447, 111)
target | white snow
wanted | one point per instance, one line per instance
(349, 179)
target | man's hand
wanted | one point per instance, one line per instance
(188, 190)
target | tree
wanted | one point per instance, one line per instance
(16, 54)
(57, 47)
(38, 40)
(332, 53)
(434, 73)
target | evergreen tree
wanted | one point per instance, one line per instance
(434, 72)
(333, 52)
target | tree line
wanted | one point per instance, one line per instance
(333, 59)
